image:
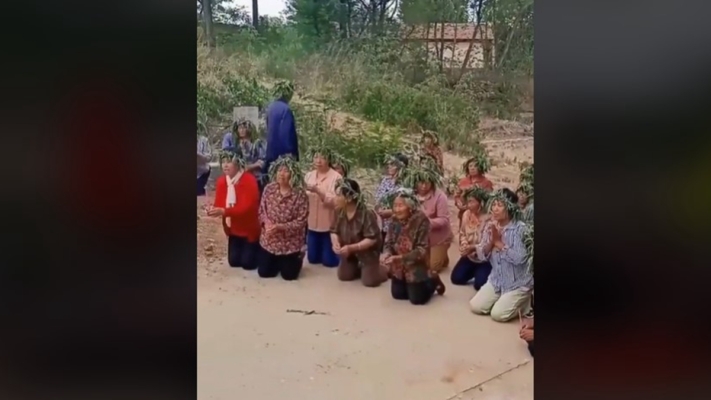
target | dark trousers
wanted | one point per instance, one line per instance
(466, 269)
(319, 249)
(417, 292)
(242, 253)
(202, 182)
(288, 265)
(530, 348)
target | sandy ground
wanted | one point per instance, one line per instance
(256, 342)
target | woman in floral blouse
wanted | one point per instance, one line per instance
(474, 170)
(430, 147)
(472, 265)
(425, 180)
(356, 237)
(406, 253)
(388, 185)
(321, 187)
(283, 213)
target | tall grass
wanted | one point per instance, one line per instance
(378, 80)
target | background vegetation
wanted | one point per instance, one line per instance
(348, 55)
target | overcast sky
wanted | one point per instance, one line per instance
(266, 7)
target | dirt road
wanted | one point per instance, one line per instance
(358, 343)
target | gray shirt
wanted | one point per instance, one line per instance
(204, 154)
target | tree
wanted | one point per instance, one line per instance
(255, 14)
(207, 22)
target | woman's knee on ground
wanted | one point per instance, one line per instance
(503, 314)
(398, 289)
(480, 305)
(506, 309)
(462, 272)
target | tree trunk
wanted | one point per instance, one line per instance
(468, 54)
(255, 14)
(207, 22)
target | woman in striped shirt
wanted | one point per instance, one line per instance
(509, 287)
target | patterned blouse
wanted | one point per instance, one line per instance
(363, 225)
(471, 233)
(436, 153)
(387, 185)
(410, 239)
(290, 210)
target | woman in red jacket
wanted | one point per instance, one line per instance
(237, 202)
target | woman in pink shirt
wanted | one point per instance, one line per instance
(426, 180)
(321, 188)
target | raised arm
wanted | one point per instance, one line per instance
(515, 251)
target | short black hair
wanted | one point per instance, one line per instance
(350, 189)
(509, 194)
(402, 158)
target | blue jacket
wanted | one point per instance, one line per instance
(281, 132)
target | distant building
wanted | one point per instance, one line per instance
(456, 38)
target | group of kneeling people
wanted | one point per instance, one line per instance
(323, 216)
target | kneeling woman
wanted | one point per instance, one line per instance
(320, 187)
(473, 263)
(425, 181)
(356, 236)
(239, 213)
(283, 214)
(406, 253)
(509, 287)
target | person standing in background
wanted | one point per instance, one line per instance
(281, 126)
(204, 153)
(244, 141)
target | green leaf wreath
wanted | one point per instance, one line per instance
(512, 208)
(231, 156)
(361, 199)
(528, 242)
(386, 202)
(295, 170)
(481, 160)
(338, 160)
(420, 171)
(478, 193)
(284, 90)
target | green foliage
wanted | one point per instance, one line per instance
(362, 147)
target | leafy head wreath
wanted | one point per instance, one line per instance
(431, 134)
(323, 151)
(234, 158)
(422, 171)
(478, 193)
(339, 160)
(406, 194)
(526, 180)
(509, 202)
(526, 174)
(287, 161)
(528, 242)
(284, 90)
(251, 129)
(352, 191)
(481, 160)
